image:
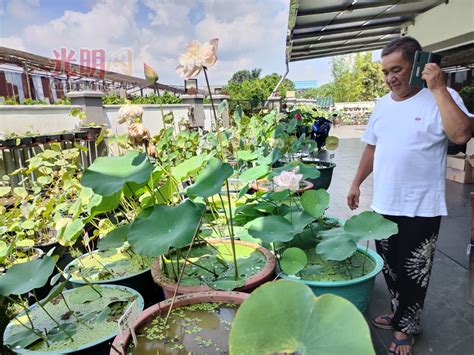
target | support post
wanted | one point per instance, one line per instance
(470, 290)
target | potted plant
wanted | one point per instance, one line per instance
(314, 250)
(64, 321)
(195, 323)
(278, 317)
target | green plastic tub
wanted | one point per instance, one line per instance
(358, 290)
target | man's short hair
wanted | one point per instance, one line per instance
(406, 45)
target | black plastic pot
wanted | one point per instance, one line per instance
(93, 132)
(326, 169)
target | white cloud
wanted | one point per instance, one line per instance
(251, 33)
(23, 10)
(12, 42)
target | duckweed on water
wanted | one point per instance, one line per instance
(210, 264)
(319, 269)
(197, 329)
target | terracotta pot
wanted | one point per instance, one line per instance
(168, 285)
(261, 185)
(120, 344)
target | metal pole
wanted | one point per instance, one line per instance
(470, 290)
(279, 83)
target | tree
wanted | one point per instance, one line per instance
(251, 91)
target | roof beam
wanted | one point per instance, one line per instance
(335, 46)
(313, 40)
(334, 53)
(358, 6)
(339, 21)
(392, 24)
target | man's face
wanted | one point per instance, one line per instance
(396, 70)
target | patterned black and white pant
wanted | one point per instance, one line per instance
(408, 258)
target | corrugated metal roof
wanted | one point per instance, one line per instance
(37, 62)
(325, 28)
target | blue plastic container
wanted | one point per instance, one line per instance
(358, 290)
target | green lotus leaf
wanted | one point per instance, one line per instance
(4, 249)
(285, 317)
(308, 171)
(108, 176)
(71, 233)
(370, 226)
(21, 192)
(337, 244)
(55, 291)
(184, 169)
(315, 202)
(209, 181)
(158, 228)
(85, 294)
(100, 204)
(238, 114)
(4, 190)
(254, 173)
(57, 334)
(271, 158)
(22, 339)
(271, 228)
(299, 220)
(332, 143)
(246, 155)
(25, 243)
(22, 278)
(279, 195)
(114, 238)
(227, 284)
(293, 260)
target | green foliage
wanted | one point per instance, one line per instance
(286, 317)
(153, 99)
(356, 78)
(63, 101)
(250, 91)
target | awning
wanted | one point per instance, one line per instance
(323, 28)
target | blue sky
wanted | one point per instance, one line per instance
(251, 33)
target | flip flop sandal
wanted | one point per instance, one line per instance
(400, 342)
(382, 325)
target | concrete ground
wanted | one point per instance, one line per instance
(447, 318)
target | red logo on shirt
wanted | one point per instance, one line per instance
(417, 118)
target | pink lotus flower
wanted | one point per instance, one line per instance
(196, 57)
(298, 117)
(288, 180)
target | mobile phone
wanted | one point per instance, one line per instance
(419, 62)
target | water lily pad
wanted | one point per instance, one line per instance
(85, 294)
(21, 339)
(286, 317)
(227, 284)
(24, 277)
(4, 190)
(293, 260)
(209, 181)
(57, 334)
(370, 226)
(315, 202)
(157, 229)
(271, 228)
(108, 176)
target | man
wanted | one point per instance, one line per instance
(406, 140)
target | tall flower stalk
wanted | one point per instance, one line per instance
(196, 58)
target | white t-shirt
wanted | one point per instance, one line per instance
(410, 155)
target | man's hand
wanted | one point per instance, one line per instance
(353, 197)
(434, 77)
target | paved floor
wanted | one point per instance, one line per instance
(448, 320)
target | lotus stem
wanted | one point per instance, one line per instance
(348, 270)
(182, 270)
(52, 318)
(72, 312)
(215, 114)
(232, 237)
(91, 286)
(365, 257)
